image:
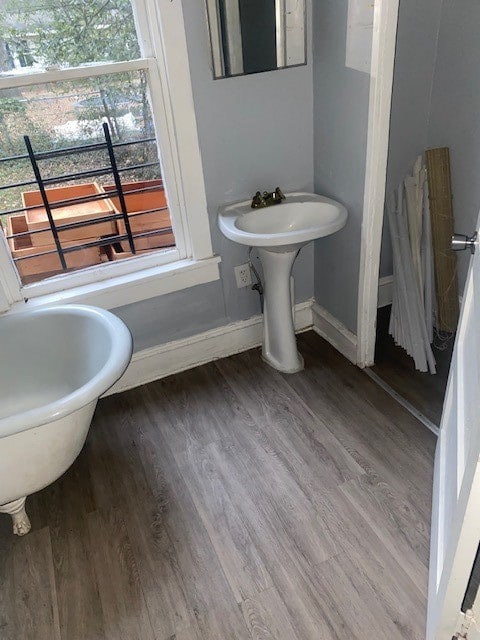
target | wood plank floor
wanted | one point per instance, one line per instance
(424, 391)
(231, 502)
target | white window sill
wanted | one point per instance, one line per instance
(132, 287)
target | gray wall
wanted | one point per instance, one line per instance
(455, 110)
(341, 97)
(436, 103)
(175, 315)
(415, 55)
(256, 132)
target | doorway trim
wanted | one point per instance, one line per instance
(385, 23)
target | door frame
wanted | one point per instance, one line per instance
(384, 39)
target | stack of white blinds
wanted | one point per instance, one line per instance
(411, 321)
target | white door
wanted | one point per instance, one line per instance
(454, 572)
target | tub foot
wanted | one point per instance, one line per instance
(21, 522)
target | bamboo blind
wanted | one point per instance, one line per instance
(442, 220)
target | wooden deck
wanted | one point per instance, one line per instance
(231, 502)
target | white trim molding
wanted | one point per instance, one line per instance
(334, 332)
(173, 357)
(132, 287)
(385, 291)
(43, 76)
(381, 83)
(168, 40)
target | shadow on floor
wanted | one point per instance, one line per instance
(394, 366)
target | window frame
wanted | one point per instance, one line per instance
(162, 41)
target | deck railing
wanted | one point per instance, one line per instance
(120, 213)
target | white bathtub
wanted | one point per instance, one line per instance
(54, 365)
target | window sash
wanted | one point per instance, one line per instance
(40, 76)
(99, 273)
(162, 39)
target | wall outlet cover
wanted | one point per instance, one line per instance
(243, 275)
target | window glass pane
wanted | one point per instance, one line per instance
(66, 114)
(70, 115)
(45, 33)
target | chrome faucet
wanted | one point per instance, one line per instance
(260, 201)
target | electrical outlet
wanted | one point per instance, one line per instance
(243, 275)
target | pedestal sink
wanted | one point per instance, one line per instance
(280, 231)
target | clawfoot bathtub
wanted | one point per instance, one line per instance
(54, 365)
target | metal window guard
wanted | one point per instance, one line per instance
(49, 207)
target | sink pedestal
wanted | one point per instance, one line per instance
(279, 348)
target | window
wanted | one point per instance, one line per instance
(98, 174)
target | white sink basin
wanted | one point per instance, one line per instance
(300, 218)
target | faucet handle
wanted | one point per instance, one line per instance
(275, 197)
(258, 201)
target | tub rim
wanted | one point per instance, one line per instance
(113, 368)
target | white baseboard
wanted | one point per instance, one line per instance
(166, 359)
(385, 291)
(335, 332)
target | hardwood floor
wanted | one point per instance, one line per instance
(232, 502)
(424, 391)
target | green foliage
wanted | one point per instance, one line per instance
(72, 32)
(10, 106)
(75, 32)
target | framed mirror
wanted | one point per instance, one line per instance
(250, 36)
